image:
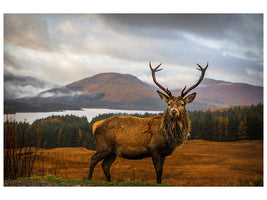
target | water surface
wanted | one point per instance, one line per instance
(90, 113)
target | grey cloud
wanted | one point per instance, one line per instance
(232, 43)
(244, 31)
(39, 30)
(10, 61)
(208, 25)
(129, 35)
(25, 30)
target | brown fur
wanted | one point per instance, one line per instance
(176, 131)
(96, 124)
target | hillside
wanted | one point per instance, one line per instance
(116, 87)
(226, 94)
(220, 94)
(125, 91)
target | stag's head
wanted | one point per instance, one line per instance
(176, 104)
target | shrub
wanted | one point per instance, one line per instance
(19, 154)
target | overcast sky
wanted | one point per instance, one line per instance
(62, 48)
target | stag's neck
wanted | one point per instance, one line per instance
(176, 130)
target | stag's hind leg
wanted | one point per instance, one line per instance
(106, 164)
(97, 157)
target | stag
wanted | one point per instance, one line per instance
(138, 138)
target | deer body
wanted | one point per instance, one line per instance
(137, 138)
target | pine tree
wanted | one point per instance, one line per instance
(226, 128)
(220, 129)
(242, 129)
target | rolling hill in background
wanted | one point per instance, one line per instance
(221, 94)
(125, 91)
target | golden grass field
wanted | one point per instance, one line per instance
(196, 163)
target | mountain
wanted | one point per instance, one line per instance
(116, 87)
(106, 90)
(125, 91)
(220, 94)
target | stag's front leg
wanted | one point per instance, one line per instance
(158, 162)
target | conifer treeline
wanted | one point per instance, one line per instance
(71, 131)
(230, 125)
(59, 131)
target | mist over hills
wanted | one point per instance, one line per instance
(125, 91)
(23, 86)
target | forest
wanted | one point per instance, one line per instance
(237, 123)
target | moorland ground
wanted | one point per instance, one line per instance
(196, 163)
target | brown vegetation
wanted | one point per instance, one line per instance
(198, 163)
(19, 157)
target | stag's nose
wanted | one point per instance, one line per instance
(174, 112)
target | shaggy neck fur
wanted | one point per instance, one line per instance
(176, 130)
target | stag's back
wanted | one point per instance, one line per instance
(129, 137)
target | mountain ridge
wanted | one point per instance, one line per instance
(125, 91)
(116, 86)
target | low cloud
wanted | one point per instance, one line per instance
(12, 91)
(60, 92)
(19, 86)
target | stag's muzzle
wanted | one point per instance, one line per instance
(174, 113)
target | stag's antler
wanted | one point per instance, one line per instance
(203, 70)
(153, 71)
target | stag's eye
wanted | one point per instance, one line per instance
(182, 104)
(169, 103)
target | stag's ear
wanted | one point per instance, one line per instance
(190, 98)
(163, 97)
